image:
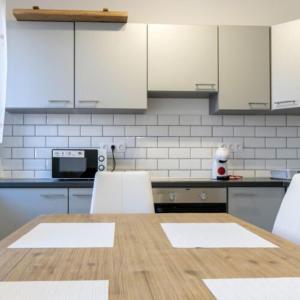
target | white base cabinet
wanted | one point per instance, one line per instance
(80, 200)
(19, 206)
(258, 206)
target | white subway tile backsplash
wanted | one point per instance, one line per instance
(190, 164)
(263, 173)
(136, 153)
(34, 164)
(69, 130)
(190, 120)
(212, 120)
(57, 119)
(287, 153)
(113, 131)
(157, 153)
(179, 174)
(124, 119)
(158, 174)
(146, 120)
(135, 130)
(35, 119)
(255, 164)
(265, 131)
(293, 121)
(265, 153)
(293, 142)
(179, 131)
(287, 131)
(22, 174)
(146, 164)
(91, 131)
(23, 130)
(12, 141)
(201, 153)
(177, 141)
(190, 142)
(46, 130)
(43, 153)
(146, 142)
(201, 131)
(275, 120)
(254, 142)
(55, 142)
(179, 152)
(23, 153)
(102, 119)
(233, 120)
(275, 164)
(168, 164)
(157, 131)
(222, 131)
(168, 120)
(84, 119)
(275, 142)
(293, 164)
(12, 119)
(255, 120)
(243, 131)
(36, 141)
(79, 142)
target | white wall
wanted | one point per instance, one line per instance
(248, 12)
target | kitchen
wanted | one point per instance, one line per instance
(151, 94)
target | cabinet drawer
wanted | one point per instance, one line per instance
(80, 201)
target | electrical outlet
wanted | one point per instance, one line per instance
(120, 148)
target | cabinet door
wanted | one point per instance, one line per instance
(286, 65)
(111, 66)
(258, 206)
(182, 58)
(19, 206)
(40, 65)
(80, 201)
(244, 68)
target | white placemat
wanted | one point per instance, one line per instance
(68, 235)
(54, 290)
(255, 288)
(212, 235)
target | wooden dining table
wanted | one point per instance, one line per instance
(143, 264)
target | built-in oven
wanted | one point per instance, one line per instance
(190, 200)
(77, 163)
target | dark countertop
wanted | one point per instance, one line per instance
(156, 183)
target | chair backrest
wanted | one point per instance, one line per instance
(122, 192)
(287, 223)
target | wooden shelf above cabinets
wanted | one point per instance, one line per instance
(49, 15)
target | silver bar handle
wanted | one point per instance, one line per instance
(285, 102)
(252, 104)
(82, 195)
(205, 86)
(89, 101)
(245, 195)
(49, 196)
(59, 101)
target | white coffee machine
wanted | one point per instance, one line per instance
(220, 163)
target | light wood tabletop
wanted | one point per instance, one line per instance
(143, 264)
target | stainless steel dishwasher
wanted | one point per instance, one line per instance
(189, 200)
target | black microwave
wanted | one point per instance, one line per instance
(77, 163)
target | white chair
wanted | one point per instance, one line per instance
(122, 192)
(287, 223)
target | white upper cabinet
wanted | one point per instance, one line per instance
(286, 65)
(40, 65)
(111, 66)
(182, 58)
(244, 69)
